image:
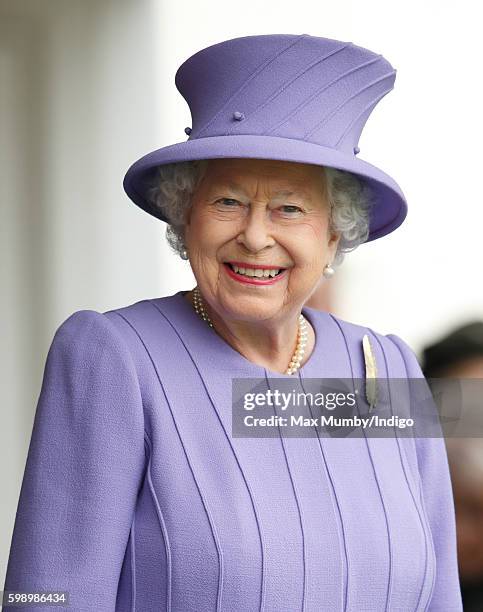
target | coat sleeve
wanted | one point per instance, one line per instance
(84, 468)
(438, 500)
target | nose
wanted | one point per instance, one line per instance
(255, 234)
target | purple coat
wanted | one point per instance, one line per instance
(136, 497)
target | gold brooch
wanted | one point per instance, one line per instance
(371, 372)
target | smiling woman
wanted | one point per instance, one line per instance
(238, 213)
(258, 317)
(137, 494)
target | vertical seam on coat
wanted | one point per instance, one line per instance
(164, 532)
(133, 566)
(299, 509)
(262, 595)
(334, 498)
(340, 524)
(158, 511)
(422, 507)
(205, 505)
(401, 457)
(391, 553)
(121, 316)
(368, 451)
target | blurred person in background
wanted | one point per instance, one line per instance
(459, 354)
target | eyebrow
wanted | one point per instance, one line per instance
(281, 192)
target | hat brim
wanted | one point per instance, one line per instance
(389, 208)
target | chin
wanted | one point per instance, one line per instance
(251, 307)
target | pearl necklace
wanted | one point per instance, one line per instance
(299, 352)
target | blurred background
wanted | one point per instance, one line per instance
(87, 87)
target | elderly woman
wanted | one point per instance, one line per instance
(137, 495)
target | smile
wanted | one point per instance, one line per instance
(255, 276)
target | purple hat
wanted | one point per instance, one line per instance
(289, 97)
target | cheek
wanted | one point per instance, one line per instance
(306, 244)
(206, 239)
(204, 233)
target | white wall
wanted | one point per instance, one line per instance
(78, 103)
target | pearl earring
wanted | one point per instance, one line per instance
(328, 271)
(184, 253)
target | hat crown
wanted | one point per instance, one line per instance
(303, 87)
(293, 97)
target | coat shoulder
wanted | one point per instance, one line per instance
(355, 331)
(359, 330)
(388, 347)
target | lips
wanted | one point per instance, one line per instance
(270, 279)
(255, 272)
(242, 264)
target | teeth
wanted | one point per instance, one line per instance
(257, 272)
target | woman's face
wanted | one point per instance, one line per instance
(259, 213)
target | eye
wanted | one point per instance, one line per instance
(229, 202)
(294, 209)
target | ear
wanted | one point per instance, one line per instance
(187, 216)
(333, 241)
